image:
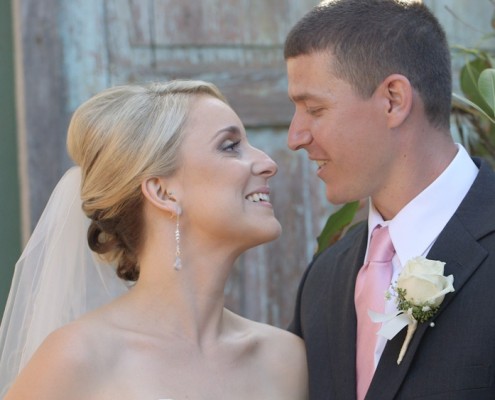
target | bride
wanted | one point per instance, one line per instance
(172, 194)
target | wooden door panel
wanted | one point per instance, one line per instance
(80, 47)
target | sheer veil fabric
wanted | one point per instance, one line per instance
(57, 279)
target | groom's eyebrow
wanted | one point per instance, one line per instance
(304, 97)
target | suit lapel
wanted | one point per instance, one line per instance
(462, 255)
(458, 247)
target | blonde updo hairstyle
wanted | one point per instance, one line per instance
(120, 137)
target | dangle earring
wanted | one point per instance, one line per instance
(178, 261)
(178, 212)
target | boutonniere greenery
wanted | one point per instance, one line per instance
(418, 293)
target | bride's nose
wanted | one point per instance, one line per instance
(263, 164)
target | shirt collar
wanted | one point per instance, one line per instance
(414, 229)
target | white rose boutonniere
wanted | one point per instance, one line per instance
(419, 291)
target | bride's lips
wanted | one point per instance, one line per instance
(260, 196)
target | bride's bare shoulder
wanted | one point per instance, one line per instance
(73, 341)
(67, 362)
(283, 355)
(276, 338)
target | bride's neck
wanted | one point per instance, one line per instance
(188, 302)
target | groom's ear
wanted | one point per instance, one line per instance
(155, 192)
(397, 93)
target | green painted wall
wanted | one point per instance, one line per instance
(10, 235)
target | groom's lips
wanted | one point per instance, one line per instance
(321, 163)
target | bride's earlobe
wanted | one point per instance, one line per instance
(177, 207)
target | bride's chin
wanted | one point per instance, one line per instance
(270, 232)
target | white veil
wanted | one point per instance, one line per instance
(56, 279)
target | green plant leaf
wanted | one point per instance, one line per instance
(486, 87)
(469, 76)
(475, 106)
(335, 225)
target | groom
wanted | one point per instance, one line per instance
(371, 85)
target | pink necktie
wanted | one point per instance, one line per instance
(371, 284)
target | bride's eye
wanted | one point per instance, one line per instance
(231, 146)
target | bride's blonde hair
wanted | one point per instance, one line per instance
(120, 137)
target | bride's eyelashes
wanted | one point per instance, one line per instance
(231, 146)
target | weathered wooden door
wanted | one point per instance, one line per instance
(73, 49)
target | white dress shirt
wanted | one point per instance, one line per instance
(415, 228)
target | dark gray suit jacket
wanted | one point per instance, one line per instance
(454, 360)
